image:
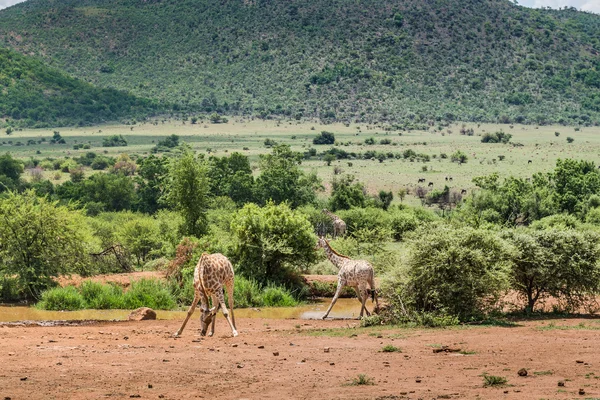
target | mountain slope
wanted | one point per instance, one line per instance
(345, 59)
(33, 94)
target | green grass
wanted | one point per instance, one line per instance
(581, 326)
(543, 373)
(361, 380)
(540, 145)
(388, 348)
(492, 380)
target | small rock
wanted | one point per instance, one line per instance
(561, 383)
(24, 378)
(331, 363)
(11, 354)
(581, 392)
(125, 337)
(142, 314)
(7, 398)
(522, 372)
(418, 380)
(165, 360)
(135, 396)
(58, 363)
(379, 336)
(579, 361)
(303, 360)
(240, 365)
(326, 349)
(161, 396)
(506, 391)
(261, 347)
(275, 353)
(150, 386)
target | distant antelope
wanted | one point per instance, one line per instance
(421, 180)
(463, 191)
(430, 184)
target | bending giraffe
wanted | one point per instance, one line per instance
(358, 274)
(339, 226)
(212, 273)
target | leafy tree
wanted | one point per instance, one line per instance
(324, 138)
(497, 137)
(329, 158)
(574, 182)
(459, 157)
(10, 172)
(460, 272)
(40, 241)
(281, 179)
(141, 237)
(167, 144)
(272, 243)
(386, 198)
(347, 193)
(187, 189)
(114, 141)
(232, 176)
(150, 180)
(562, 264)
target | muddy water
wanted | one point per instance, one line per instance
(344, 308)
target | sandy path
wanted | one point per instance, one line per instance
(122, 360)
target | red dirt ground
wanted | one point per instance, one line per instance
(141, 359)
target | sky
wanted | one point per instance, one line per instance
(586, 5)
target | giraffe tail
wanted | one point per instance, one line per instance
(372, 294)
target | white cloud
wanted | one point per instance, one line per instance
(8, 3)
(592, 5)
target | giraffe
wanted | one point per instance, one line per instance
(339, 226)
(356, 273)
(211, 273)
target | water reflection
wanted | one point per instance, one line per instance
(344, 308)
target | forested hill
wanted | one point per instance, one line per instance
(400, 60)
(32, 94)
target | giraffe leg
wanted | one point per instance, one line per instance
(359, 297)
(214, 310)
(190, 312)
(364, 296)
(229, 288)
(226, 312)
(335, 297)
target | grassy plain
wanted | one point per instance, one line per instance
(539, 144)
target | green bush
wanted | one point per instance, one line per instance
(455, 272)
(273, 296)
(61, 299)
(365, 218)
(272, 243)
(148, 293)
(101, 297)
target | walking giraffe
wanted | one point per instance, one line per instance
(212, 272)
(355, 273)
(339, 226)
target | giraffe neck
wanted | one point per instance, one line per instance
(335, 259)
(332, 215)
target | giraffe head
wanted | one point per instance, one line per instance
(321, 243)
(206, 318)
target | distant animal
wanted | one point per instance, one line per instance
(339, 226)
(463, 191)
(212, 272)
(421, 180)
(430, 184)
(446, 179)
(358, 274)
(529, 162)
(450, 178)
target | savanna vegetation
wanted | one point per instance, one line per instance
(410, 63)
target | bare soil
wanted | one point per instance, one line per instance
(141, 359)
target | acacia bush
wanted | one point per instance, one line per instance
(324, 138)
(563, 264)
(455, 272)
(272, 244)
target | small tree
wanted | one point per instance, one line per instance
(402, 194)
(386, 198)
(346, 193)
(329, 158)
(324, 138)
(562, 264)
(557, 134)
(570, 139)
(459, 157)
(187, 191)
(40, 241)
(272, 243)
(457, 272)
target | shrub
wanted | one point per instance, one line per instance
(274, 296)
(347, 193)
(246, 293)
(390, 349)
(570, 140)
(61, 299)
(497, 137)
(456, 272)
(459, 157)
(491, 380)
(371, 320)
(365, 218)
(148, 293)
(272, 243)
(370, 141)
(114, 141)
(562, 264)
(101, 297)
(324, 138)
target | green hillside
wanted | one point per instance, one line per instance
(32, 94)
(367, 60)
